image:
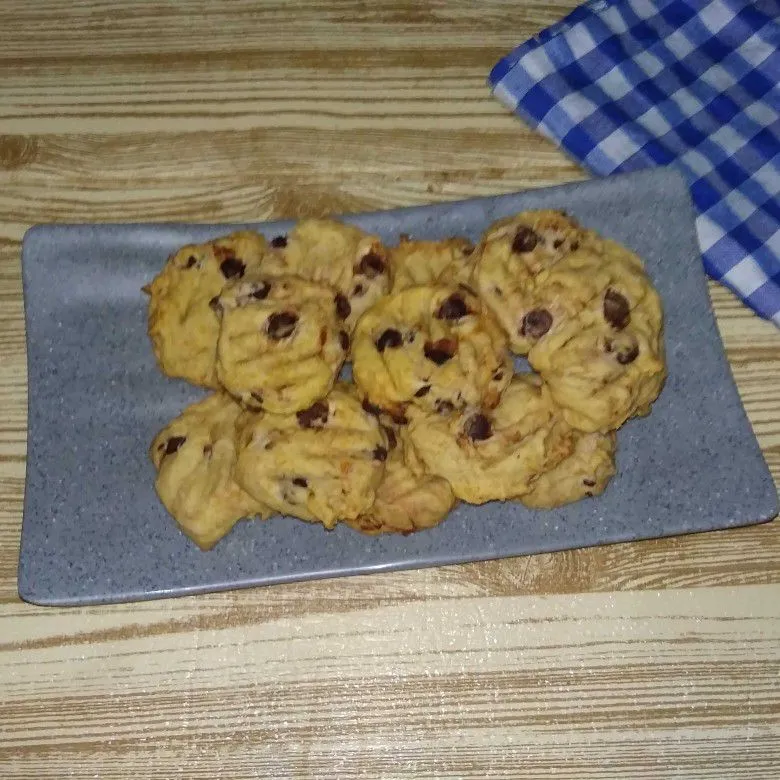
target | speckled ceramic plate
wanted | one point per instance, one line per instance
(94, 530)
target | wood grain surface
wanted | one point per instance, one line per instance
(651, 660)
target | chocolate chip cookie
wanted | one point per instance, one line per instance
(583, 474)
(182, 326)
(282, 341)
(195, 457)
(435, 347)
(342, 256)
(494, 454)
(450, 262)
(322, 464)
(605, 363)
(513, 253)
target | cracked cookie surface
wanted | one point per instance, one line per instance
(415, 263)
(494, 454)
(606, 363)
(282, 341)
(352, 262)
(585, 473)
(434, 347)
(322, 464)
(512, 255)
(181, 325)
(408, 498)
(195, 458)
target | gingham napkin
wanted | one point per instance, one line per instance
(627, 84)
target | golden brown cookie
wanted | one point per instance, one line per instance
(606, 363)
(408, 499)
(511, 256)
(322, 464)
(431, 262)
(182, 326)
(432, 346)
(195, 457)
(281, 342)
(342, 256)
(583, 474)
(494, 454)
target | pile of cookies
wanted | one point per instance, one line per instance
(435, 412)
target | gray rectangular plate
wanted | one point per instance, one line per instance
(95, 532)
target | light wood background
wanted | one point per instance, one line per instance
(651, 660)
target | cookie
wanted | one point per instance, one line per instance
(606, 363)
(282, 341)
(195, 457)
(182, 327)
(583, 474)
(342, 256)
(494, 454)
(408, 499)
(512, 254)
(431, 262)
(322, 465)
(432, 346)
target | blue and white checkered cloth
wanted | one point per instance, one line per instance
(627, 84)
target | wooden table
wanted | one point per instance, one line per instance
(650, 660)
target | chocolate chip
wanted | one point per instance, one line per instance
(279, 241)
(371, 408)
(358, 290)
(498, 375)
(525, 240)
(215, 305)
(315, 415)
(617, 312)
(281, 324)
(380, 454)
(261, 292)
(558, 243)
(344, 340)
(371, 265)
(440, 351)
(478, 428)
(589, 482)
(589, 494)
(300, 482)
(444, 407)
(575, 245)
(392, 439)
(399, 418)
(536, 323)
(627, 354)
(389, 338)
(452, 308)
(343, 309)
(174, 443)
(191, 261)
(423, 391)
(468, 250)
(232, 268)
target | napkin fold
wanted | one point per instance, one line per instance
(628, 84)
